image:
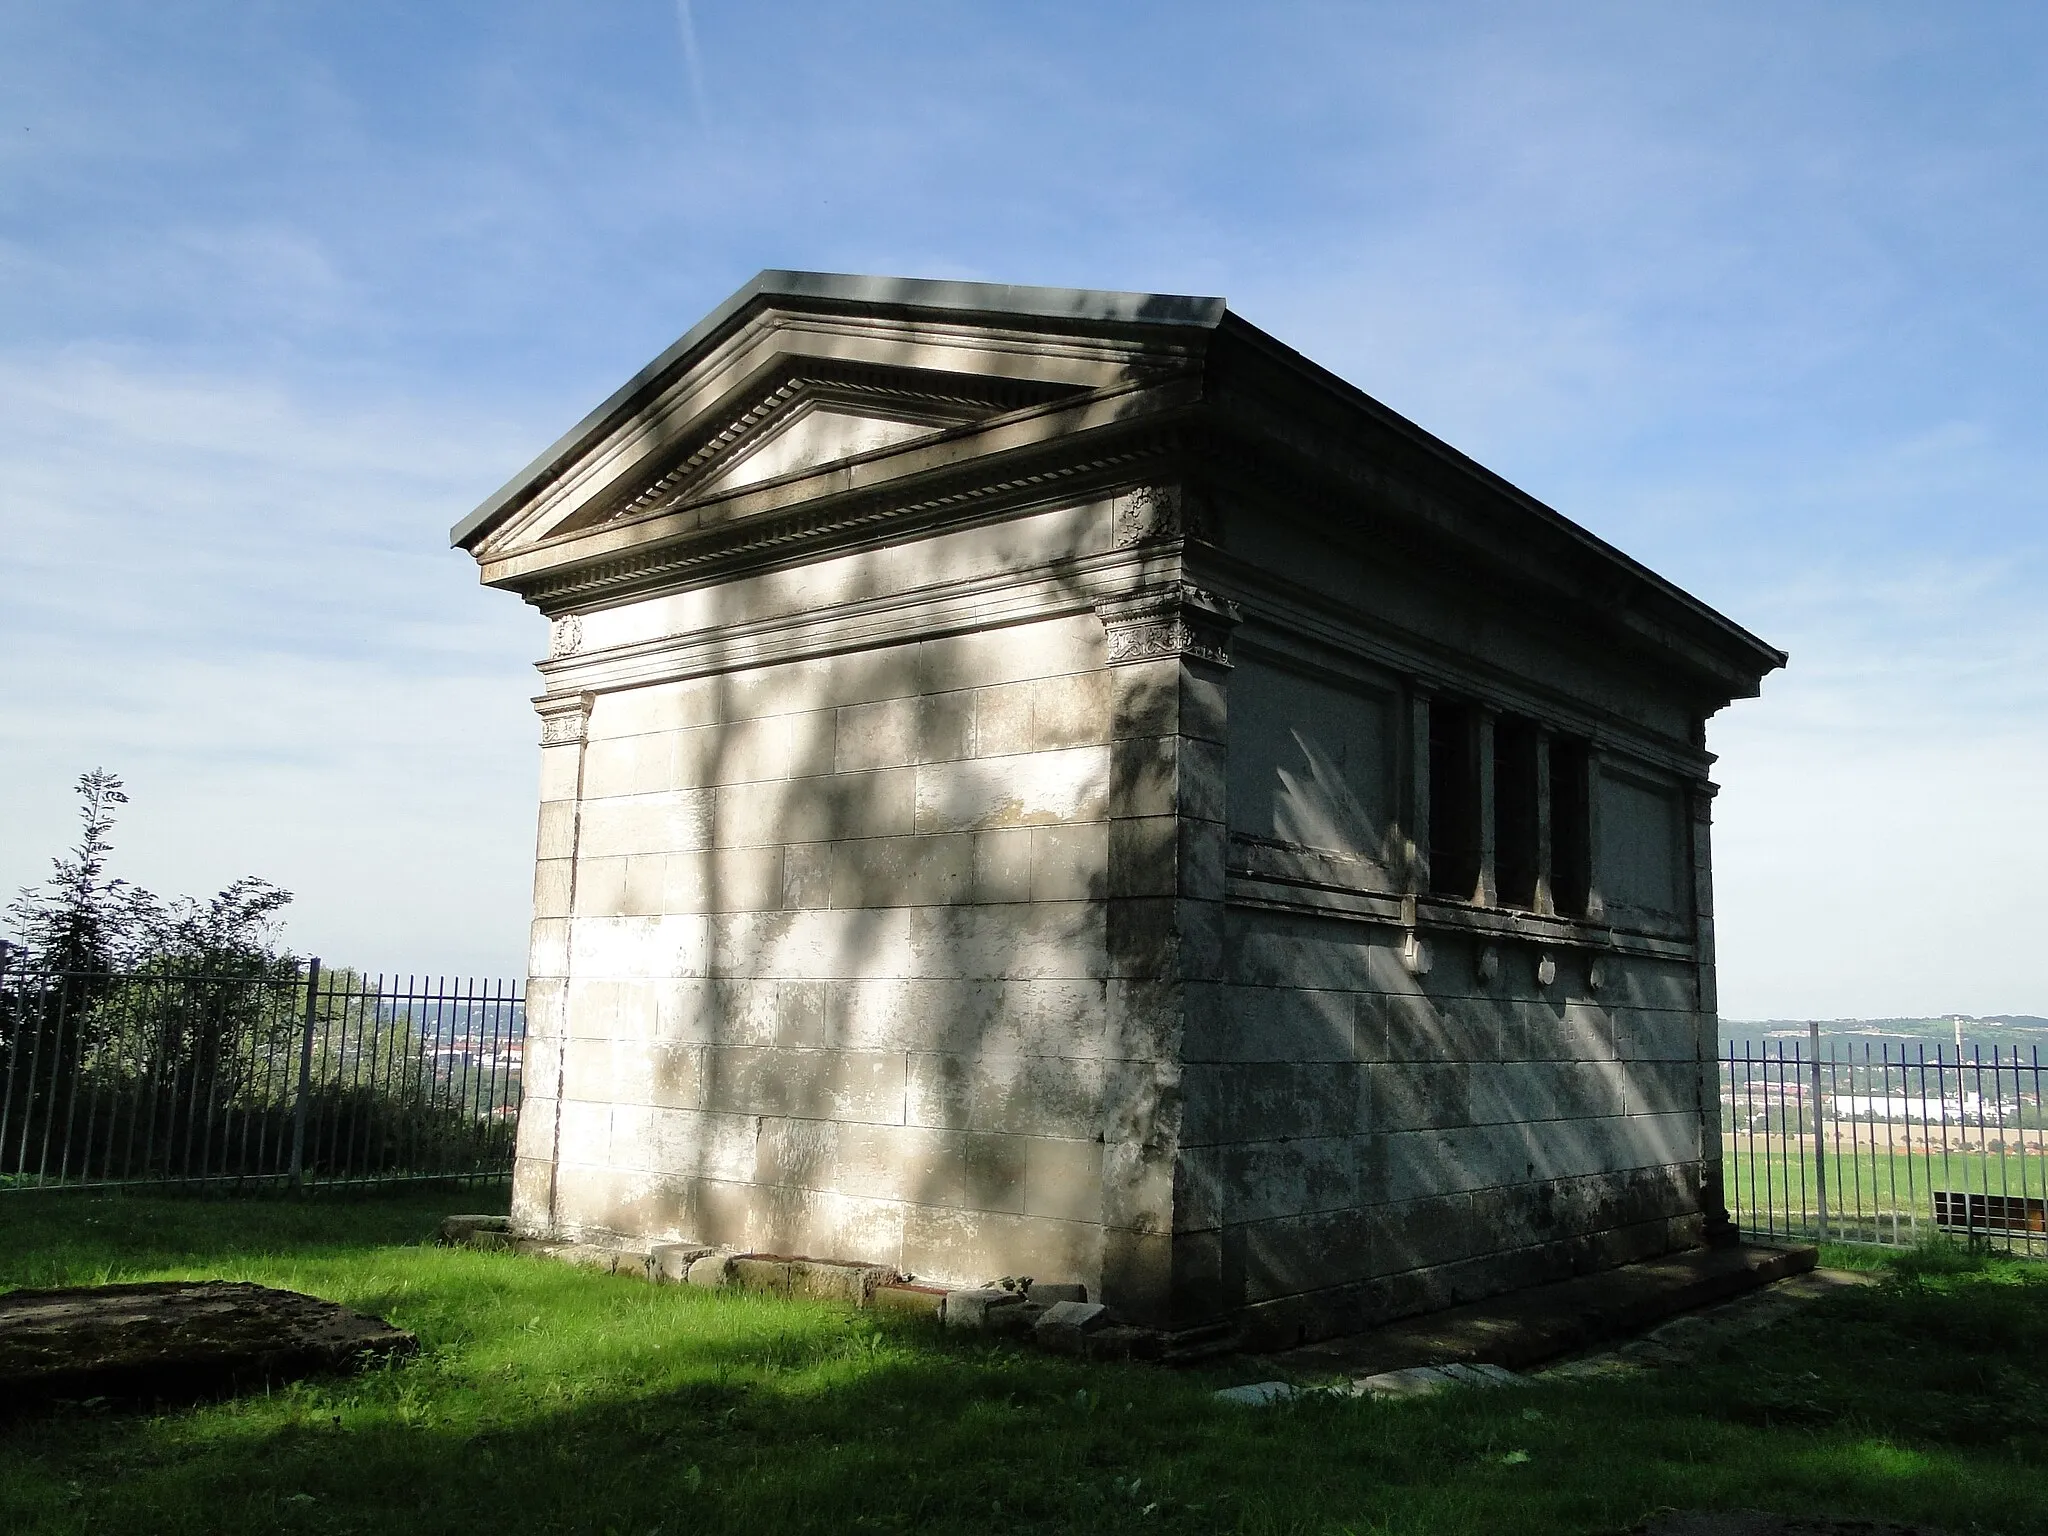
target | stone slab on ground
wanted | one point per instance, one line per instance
(177, 1340)
(1545, 1322)
(1689, 1336)
(1752, 1522)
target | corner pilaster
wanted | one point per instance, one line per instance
(1168, 654)
(564, 733)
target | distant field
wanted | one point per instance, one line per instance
(1886, 1190)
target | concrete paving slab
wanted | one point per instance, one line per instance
(1547, 1322)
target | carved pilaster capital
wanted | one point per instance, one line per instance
(564, 717)
(1177, 620)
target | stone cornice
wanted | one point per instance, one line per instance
(1063, 469)
(1059, 588)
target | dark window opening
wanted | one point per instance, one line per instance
(1453, 801)
(1570, 850)
(1516, 852)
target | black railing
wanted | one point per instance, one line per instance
(1886, 1142)
(289, 1075)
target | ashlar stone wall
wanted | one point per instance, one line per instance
(823, 949)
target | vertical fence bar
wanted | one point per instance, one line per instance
(1820, 1155)
(298, 1165)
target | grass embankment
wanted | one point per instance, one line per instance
(552, 1399)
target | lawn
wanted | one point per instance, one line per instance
(553, 1399)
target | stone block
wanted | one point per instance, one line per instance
(634, 947)
(826, 1223)
(902, 871)
(848, 1284)
(945, 727)
(551, 887)
(1002, 865)
(1147, 1016)
(1144, 777)
(1062, 1178)
(710, 880)
(1019, 1095)
(463, 1231)
(539, 1127)
(1071, 711)
(1225, 1102)
(673, 821)
(973, 1309)
(1017, 653)
(1065, 1325)
(819, 1085)
(1002, 720)
(559, 767)
(1229, 1183)
(821, 808)
(958, 1246)
(712, 1271)
(629, 765)
(1420, 1095)
(658, 707)
(884, 734)
(1029, 789)
(547, 953)
(927, 1303)
(669, 1263)
(533, 1188)
(1070, 863)
(555, 836)
(1049, 1293)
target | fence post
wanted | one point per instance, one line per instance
(305, 1079)
(1820, 1157)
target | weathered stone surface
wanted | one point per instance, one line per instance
(973, 1308)
(474, 1231)
(1050, 1292)
(925, 1302)
(669, 1263)
(711, 1272)
(173, 1340)
(1258, 1394)
(1065, 1325)
(973, 889)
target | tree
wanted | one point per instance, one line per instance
(83, 922)
(131, 993)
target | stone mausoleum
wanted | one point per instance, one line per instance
(1055, 783)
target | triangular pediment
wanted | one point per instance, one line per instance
(808, 414)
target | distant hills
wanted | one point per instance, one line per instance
(2005, 1030)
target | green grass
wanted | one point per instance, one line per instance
(1775, 1175)
(552, 1399)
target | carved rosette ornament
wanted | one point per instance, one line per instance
(565, 637)
(1179, 620)
(564, 718)
(1151, 512)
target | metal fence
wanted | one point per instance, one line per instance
(290, 1075)
(1885, 1142)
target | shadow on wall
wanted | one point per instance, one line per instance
(839, 954)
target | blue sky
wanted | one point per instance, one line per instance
(1754, 291)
